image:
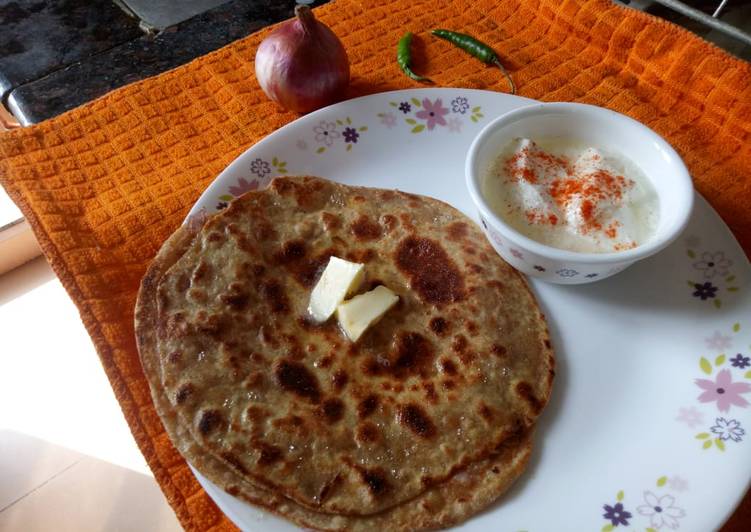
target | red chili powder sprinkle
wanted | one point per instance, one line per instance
(589, 188)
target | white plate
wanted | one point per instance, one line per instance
(625, 424)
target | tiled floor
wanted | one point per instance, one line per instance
(67, 458)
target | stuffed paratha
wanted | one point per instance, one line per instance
(461, 366)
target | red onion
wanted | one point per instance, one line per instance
(302, 65)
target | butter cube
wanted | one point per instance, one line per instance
(360, 312)
(338, 280)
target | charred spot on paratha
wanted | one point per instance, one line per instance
(415, 419)
(375, 479)
(332, 410)
(432, 273)
(209, 421)
(367, 406)
(294, 377)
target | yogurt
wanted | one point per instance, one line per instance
(566, 194)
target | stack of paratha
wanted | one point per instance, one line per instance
(423, 422)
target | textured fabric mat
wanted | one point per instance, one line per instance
(105, 184)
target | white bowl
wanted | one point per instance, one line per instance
(600, 128)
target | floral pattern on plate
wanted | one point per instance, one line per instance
(339, 132)
(726, 390)
(432, 114)
(261, 172)
(712, 273)
(654, 510)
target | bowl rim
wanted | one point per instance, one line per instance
(682, 178)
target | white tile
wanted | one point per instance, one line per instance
(93, 495)
(55, 394)
(27, 462)
(51, 374)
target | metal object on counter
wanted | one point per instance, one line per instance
(711, 21)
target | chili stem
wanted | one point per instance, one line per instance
(497, 62)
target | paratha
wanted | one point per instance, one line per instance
(247, 383)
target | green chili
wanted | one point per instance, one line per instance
(404, 57)
(478, 49)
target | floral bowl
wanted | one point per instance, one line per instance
(598, 127)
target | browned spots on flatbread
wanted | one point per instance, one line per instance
(197, 294)
(183, 393)
(412, 354)
(448, 366)
(210, 420)
(209, 324)
(297, 379)
(367, 433)
(498, 350)
(361, 256)
(364, 229)
(254, 380)
(183, 282)
(236, 297)
(415, 419)
(255, 414)
(268, 454)
(333, 410)
(324, 362)
(432, 273)
(472, 327)
(547, 343)
(375, 479)
(291, 251)
(430, 393)
(234, 461)
(449, 384)
(331, 222)
(273, 293)
(305, 192)
(308, 271)
(457, 231)
(406, 220)
(216, 237)
(328, 488)
(339, 379)
(485, 411)
(293, 255)
(367, 406)
(200, 272)
(439, 326)
(526, 392)
(459, 344)
(390, 222)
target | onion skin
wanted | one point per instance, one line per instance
(302, 65)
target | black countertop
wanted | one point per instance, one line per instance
(56, 55)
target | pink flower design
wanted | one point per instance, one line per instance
(718, 341)
(433, 112)
(724, 391)
(516, 253)
(243, 186)
(690, 416)
(388, 120)
(455, 125)
(678, 484)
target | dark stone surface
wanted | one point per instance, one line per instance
(143, 57)
(39, 37)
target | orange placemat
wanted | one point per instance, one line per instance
(105, 184)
